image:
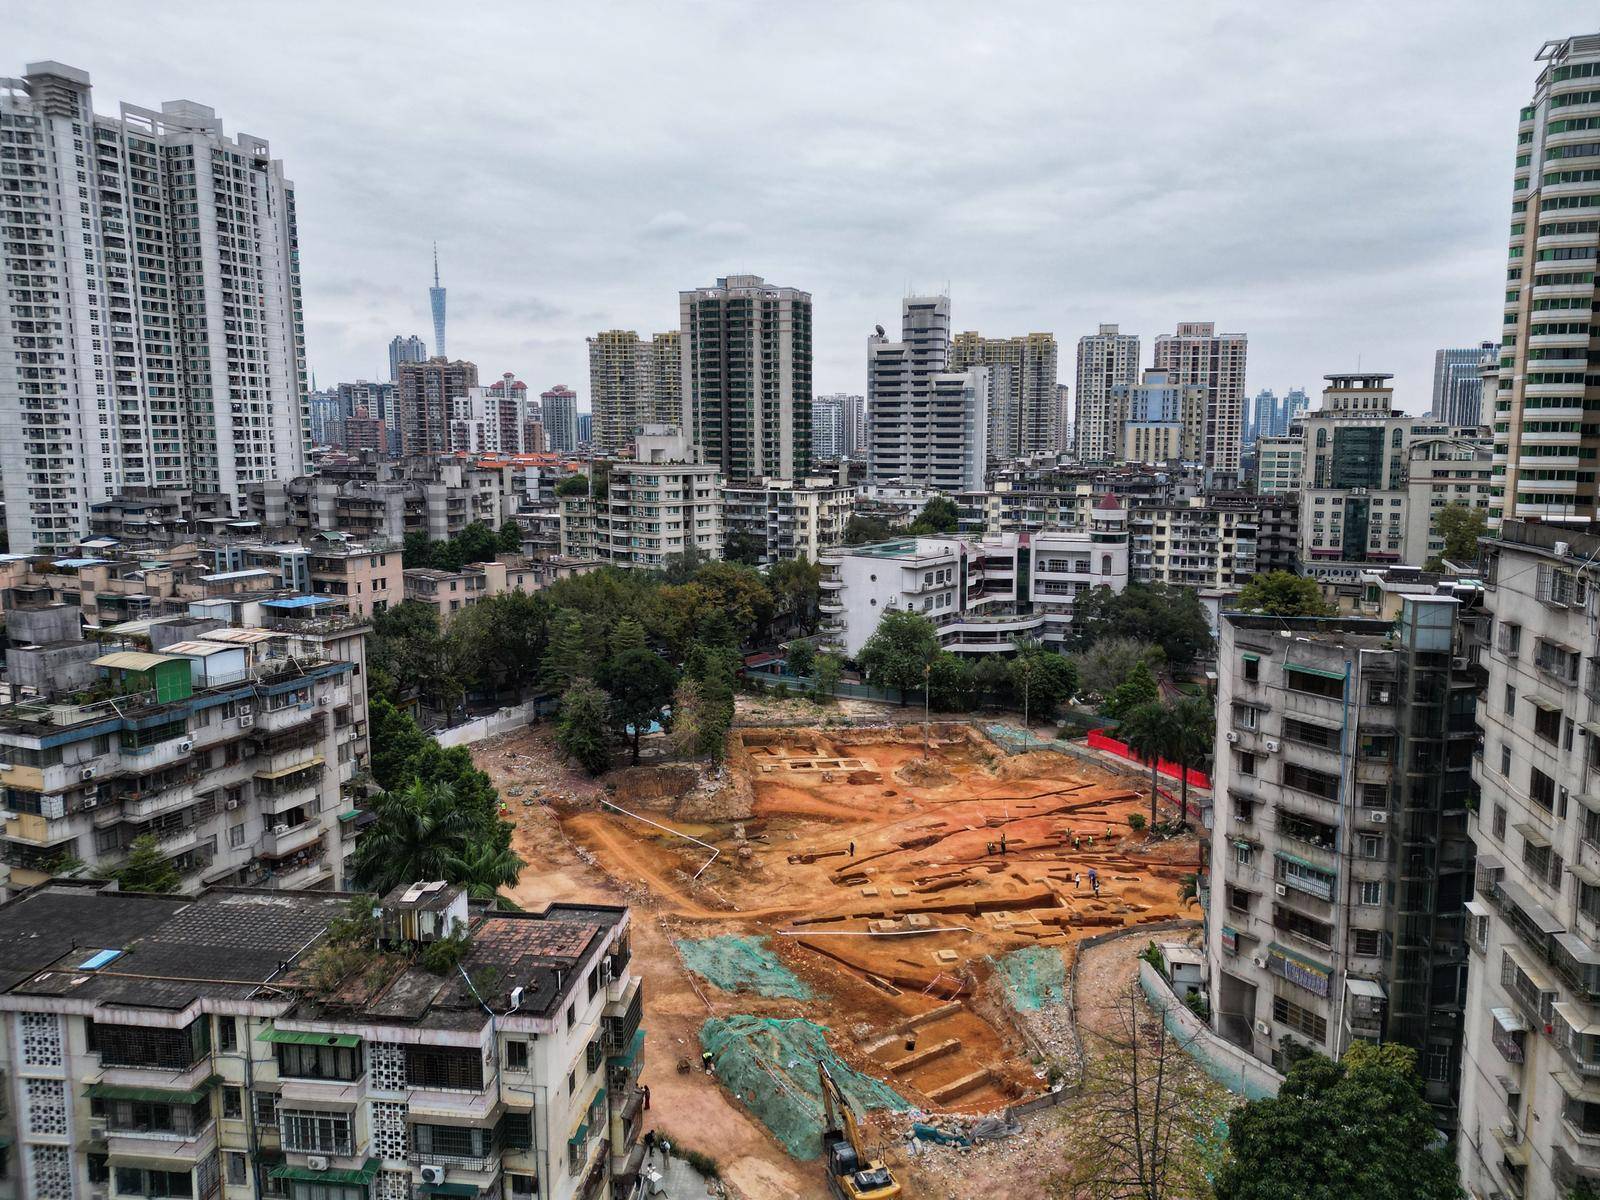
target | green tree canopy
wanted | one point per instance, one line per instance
(825, 675)
(640, 685)
(938, 515)
(1283, 594)
(576, 484)
(1460, 526)
(801, 657)
(1194, 732)
(568, 656)
(862, 530)
(796, 586)
(1140, 687)
(1356, 1129)
(950, 683)
(510, 538)
(581, 726)
(742, 546)
(146, 869)
(1106, 664)
(898, 651)
(1167, 614)
(1041, 679)
(418, 829)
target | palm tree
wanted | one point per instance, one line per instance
(1149, 732)
(1194, 724)
(483, 868)
(419, 830)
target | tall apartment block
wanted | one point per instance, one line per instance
(150, 328)
(1544, 445)
(559, 410)
(293, 1044)
(1530, 1109)
(404, 350)
(1340, 855)
(747, 376)
(664, 504)
(633, 383)
(855, 426)
(1161, 419)
(1197, 353)
(1063, 419)
(1263, 420)
(927, 425)
(423, 402)
(1023, 373)
(827, 427)
(1106, 360)
(1458, 384)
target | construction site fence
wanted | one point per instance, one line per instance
(1233, 1067)
(1101, 741)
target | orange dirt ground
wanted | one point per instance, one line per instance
(927, 884)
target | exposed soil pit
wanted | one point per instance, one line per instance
(892, 905)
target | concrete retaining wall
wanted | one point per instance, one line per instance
(1236, 1070)
(502, 721)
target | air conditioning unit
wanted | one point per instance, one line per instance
(1378, 817)
(1563, 549)
(1232, 736)
(1272, 745)
(86, 773)
(1264, 1029)
(91, 801)
(246, 720)
(432, 1174)
(1260, 960)
(185, 746)
(324, 701)
(1280, 889)
(317, 1162)
(230, 805)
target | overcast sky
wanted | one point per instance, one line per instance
(1332, 179)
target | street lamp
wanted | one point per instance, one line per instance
(927, 674)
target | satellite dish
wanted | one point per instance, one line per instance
(879, 328)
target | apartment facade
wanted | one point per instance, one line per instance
(746, 352)
(1340, 855)
(1161, 420)
(423, 402)
(243, 1043)
(373, 500)
(404, 350)
(632, 382)
(1544, 446)
(1198, 354)
(1205, 542)
(1530, 1107)
(827, 428)
(139, 347)
(791, 518)
(1280, 464)
(1106, 360)
(558, 409)
(657, 507)
(1022, 398)
(1458, 383)
(983, 595)
(927, 425)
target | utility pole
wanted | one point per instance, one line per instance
(927, 674)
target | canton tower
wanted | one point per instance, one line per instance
(436, 302)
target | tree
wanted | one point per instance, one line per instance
(576, 484)
(568, 657)
(738, 591)
(396, 741)
(1194, 731)
(898, 651)
(801, 658)
(417, 830)
(483, 867)
(1147, 1118)
(581, 726)
(640, 685)
(796, 587)
(688, 718)
(1106, 664)
(510, 538)
(1167, 614)
(1140, 687)
(950, 683)
(501, 640)
(825, 675)
(1283, 594)
(1356, 1129)
(742, 546)
(627, 634)
(416, 550)
(938, 515)
(1042, 678)
(1460, 526)
(1150, 732)
(146, 869)
(991, 679)
(862, 530)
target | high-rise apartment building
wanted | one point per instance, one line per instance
(150, 324)
(424, 402)
(1543, 445)
(404, 350)
(1458, 384)
(855, 426)
(1161, 419)
(1106, 360)
(586, 429)
(1264, 410)
(633, 383)
(927, 426)
(827, 427)
(1341, 859)
(559, 412)
(1063, 419)
(1023, 396)
(747, 376)
(436, 298)
(1197, 353)
(1529, 1106)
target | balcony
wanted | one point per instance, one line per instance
(282, 840)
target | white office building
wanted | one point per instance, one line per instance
(150, 327)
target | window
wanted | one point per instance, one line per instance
(138, 1181)
(1371, 845)
(1505, 761)
(232, 1103)
(1314, 682)
(314, 1132)
(1252, 668)
(1547, 723)
(1307, 779)
(266, 1108)
(571, 1016)
(1510, 705)
(517, 1056)
(1368, 943)
(237, 1168)
(1310, 733)
(450, 1067)
(227, 1033)
(1500, 822)
(1247, 763)
(319, 1062)
(1541, 788)
(1369, 893)
(1304, 1020)
(1374, 795)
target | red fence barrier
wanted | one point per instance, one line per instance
(1100, 741)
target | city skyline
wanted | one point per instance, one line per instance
(547, 238)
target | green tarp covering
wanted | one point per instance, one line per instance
(298, 1037)
(363, 1175)
(111, 1091)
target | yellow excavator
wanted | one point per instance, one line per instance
(851, 1176)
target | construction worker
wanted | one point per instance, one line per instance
(1002, 844)
(1094, 880)
(1075, 841)
(1091, 843)
(852, 849)
(1077, 880)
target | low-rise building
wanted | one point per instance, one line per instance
(1206, 542)
(248, 1043)
(791, 519)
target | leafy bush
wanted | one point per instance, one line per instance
(1136, 821)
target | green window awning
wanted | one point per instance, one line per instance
(349, 816)
(582, 1135)
(1326, 674)
(1303, 862)
(625, 1059)
(299, 1037)
(111, 1091)
(1251, 657)
(362, 1175)
(448, 1189)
